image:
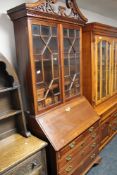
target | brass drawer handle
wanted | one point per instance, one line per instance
(69, 157)
(68, 169)
(72, 145)
(110, 125)
(93, 156)
(94, 135)
(68, 109)
(82, 144)
(91, 129)
(93, 145)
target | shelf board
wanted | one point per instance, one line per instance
(9, 113)
(8, 89)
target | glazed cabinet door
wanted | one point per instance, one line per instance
(103, 53)
(114, 68)
(55, 63)
(46, 65)
(71, 49)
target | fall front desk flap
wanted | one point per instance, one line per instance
(65, 123)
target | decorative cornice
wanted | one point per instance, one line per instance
(70, 9)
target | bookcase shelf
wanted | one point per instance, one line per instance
(2, 90)
(9, 113)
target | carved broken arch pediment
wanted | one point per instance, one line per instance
(69, 9)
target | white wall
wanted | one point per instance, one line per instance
(95, 17)
(7, 41)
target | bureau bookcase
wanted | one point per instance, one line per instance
(100, 75)
(49, 50)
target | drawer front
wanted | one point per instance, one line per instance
(75, 167)
(89, 159)
(77, 154)
(30, 166)
(71, 146)
(92, 132)
(86, 162)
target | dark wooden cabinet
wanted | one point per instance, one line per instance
(49, 51)
(100, 72)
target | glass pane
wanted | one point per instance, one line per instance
(76, 45)
(45, 30)
(115, 68)
(36, 30)
(54, 31)
(108, 68)
(39, 75)
(65, 33)
(45, 52)
(71, 33)
(47, 71)
(77, 33)
(71, 62)
(98, 71)
(55, 65)
(38, 45)
(103, 68)
(53, 45)
(66, 65)
(67, 44)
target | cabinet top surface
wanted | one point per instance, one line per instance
(16, 148)
(67, 122)
(106, 105)
(100, 28)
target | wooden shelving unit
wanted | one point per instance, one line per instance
(11, 109)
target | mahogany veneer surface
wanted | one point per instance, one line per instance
(61, 126)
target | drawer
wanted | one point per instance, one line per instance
(92, 132)
(89, 159)
(86, 163)
(30, 166)
(92, 129)
(78, 154)
(72, 145)
(74, 166)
